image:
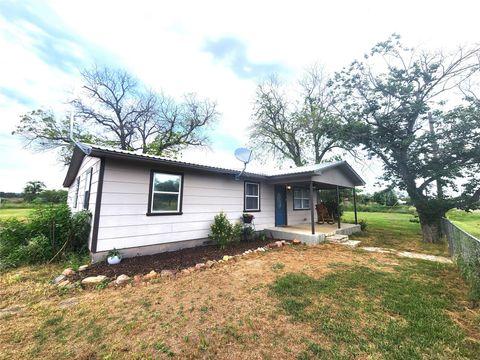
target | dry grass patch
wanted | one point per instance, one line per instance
(226, 312)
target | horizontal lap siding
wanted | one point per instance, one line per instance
(87, 164)
(295, 216)
(123, 221)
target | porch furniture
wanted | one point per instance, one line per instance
(323, 215)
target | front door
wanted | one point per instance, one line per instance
(280, 205)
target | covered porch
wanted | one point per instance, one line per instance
(303, 189)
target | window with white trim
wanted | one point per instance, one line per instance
(77, 189)
(252, 196)
(166, 193)
(301, 199)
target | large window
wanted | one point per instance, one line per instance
(252, 196)
(166, 194)
(301, 199)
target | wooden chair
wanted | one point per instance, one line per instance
(323, 215)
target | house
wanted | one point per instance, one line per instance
(143, 204)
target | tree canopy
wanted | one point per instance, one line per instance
(384, 102)
(302, 129)
(115, 109)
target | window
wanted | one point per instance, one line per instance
(301, 199)
(77, 188)
(88, 186)
(166, 194)
(252, 196)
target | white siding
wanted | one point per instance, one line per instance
(124, 223)
(87, 164)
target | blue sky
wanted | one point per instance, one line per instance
(216, 49)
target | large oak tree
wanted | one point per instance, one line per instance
(386, 101)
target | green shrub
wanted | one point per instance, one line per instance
(363, 224)
(223, 232)
(46, 232)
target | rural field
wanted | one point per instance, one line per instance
(297, 302)
(16, 213)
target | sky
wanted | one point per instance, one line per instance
(217, 49)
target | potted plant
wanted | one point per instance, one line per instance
(247, 218)
(114, 257)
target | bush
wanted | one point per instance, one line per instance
(363, 224)
(223, 232)
(46, 232)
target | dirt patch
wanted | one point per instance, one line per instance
(172, 260)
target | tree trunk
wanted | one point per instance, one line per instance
(431, 233)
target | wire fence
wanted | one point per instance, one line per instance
(465, 251)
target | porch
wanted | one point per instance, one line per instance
(303, 232)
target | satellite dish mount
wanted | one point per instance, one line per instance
(244, 155)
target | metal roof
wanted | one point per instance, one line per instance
(102, 151)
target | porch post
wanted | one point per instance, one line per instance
(338, 207)
(355, 204)
(312, 214)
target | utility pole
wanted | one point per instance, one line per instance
(431, 122)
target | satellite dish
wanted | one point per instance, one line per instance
(243, 154)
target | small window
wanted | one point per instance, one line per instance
(166, 193)
(88, 186)
(252, 196)
(77, 189)
(301, 199)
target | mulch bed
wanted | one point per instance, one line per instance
(173, 260)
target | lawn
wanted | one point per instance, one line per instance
(393, 230)
(469, 222)
(15, 213)
(322, 302)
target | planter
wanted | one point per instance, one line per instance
(113, 260)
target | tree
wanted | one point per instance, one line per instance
(384, 102)
(303, 131)
(32, 189)
(386, 197)
(116, 110)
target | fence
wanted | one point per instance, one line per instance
(465, 250)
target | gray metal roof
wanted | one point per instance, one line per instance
(102, 151)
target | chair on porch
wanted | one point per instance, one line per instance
(323, 215)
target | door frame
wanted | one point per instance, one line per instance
(284, 187)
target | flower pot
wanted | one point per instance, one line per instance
(113, 260)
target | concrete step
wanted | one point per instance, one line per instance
(338, 238)
(351, 243)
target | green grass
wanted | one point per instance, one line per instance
(393, 230)
(469, 222)
(16, 213)
(360, 312)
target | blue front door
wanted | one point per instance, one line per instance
(280, 205)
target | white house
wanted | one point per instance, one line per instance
(143, 204)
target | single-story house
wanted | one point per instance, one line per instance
(143, 204)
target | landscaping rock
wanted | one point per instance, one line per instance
(272, 245)
(261, 249)
(122, 280)
(82, 268)
(279, 243)
(59, 279)
(151, 275)
(167, 273)
(210, 264)
(296, 242)
(200, 266)
(186, 271)
(63, 283)
(93, 281)
(227, 257)
(137, 279)
(68, 272)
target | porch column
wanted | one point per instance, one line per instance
(355, 204)
(312, 214)
(338, 207)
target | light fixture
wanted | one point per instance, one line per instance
(289, 187)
